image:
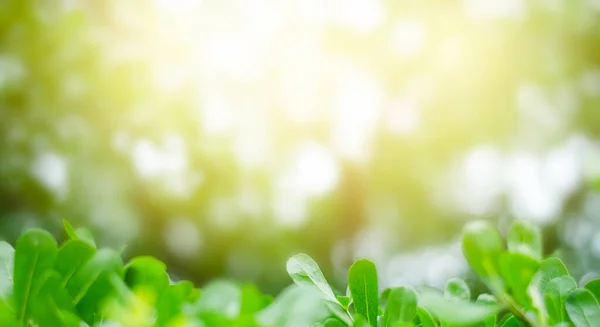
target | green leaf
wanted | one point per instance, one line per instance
(457, 288)
(171, 301)
(488, 299)
(518, 270)
(362, 280)
(52, 302)
(305, 271)
(146, 273)
(80, 233)
(555, 295)
(401, 306)
(35, 254)
(7, 316)
(549, 269)
(594, 287)
(7, 258)
(71, 257)
(525, 238)
(404, 324)
(295, 306)
(344, 301)
(252, 300)
(360, 321)
(512, 321)
(582, 308)
(70, 230)
(331, 322)
(221, 296)
(482, 245)
(446, 309)
(91, 285)
(424, 318)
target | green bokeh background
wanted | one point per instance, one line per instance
(78, 89)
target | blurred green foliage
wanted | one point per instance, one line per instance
(77, 79)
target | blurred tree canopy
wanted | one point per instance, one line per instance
(224, 136)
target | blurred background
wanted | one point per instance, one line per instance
(225, 136)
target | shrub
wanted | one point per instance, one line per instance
(76, 284)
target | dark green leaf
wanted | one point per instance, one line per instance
(52, 302)
(146, 273)
(91, 285)
(71, 257)
(594, 287)
(362, 280)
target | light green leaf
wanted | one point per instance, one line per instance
(582, 308)
(525, 238)
(424, 319)
(488, 299)
(7, 257)
(344, 300)
(221, 296)
(7, 316)
(69, 230)
(360, 321)
(295, 306)
(80, 233)
(404, 324)
(457, 288)
(512, 321)
(518, 270)
(331, 322)
(35, 254)
(555, 296)
(549, 269)
(305, 271)
(446, 309)
(401, 306)
(482, 245)
(362, 280)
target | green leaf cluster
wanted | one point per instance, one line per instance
(76, 284)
